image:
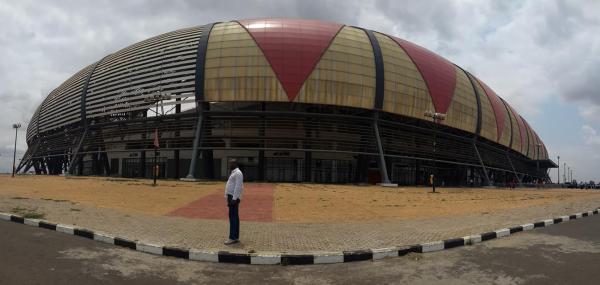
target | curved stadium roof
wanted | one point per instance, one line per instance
(288, 60)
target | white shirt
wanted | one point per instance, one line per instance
(235, 184)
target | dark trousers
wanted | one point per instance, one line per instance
(234, 219)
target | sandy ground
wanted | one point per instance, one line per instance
(129, 195)
(334, 203)
(292, 203)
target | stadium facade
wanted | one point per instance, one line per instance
(292, 100)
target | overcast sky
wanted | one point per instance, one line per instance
(541, 56)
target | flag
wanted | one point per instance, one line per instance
(156, 145)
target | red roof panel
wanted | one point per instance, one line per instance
(521, 126)
(293, 47)
(439, 74)
(498, 107)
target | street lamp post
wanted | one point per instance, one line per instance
(16, 127)
(565, 172)
(572, 170)
(437, 117)
(537, 162)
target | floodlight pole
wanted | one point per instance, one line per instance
(558, 172)
(16, 127)
(436, 118)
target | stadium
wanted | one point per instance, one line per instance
(292, 100)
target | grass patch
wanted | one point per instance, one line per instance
(18, 210)
(19, 198)
(55, 200)
(116, 179)
(28, 214)
(34, 215)
(75, 177)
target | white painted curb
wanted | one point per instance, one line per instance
(104, 238)
(149, 248)
(432, 246)
(265, 259)
(381, 253)
(4, 216)
(326, 258)
(527, 227)
(202, 255)
(502, 233)
(65, 229)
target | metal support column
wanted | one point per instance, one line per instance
(487, 178)
(75, 155)
(417, 172)
(176, 164)
(308, 133)
(261, 153)
(27, 160)
(261, 165)
(199, 95)
(176, 169)
(142, 166)
(107, 166)
(514, 170)
(80, 165)
(96, 169)
(382, 165)
(197, 138)
(307, 166)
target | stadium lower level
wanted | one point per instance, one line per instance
(281, 142)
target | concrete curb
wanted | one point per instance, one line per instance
(267, 258)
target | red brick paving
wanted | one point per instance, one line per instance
(256, 205)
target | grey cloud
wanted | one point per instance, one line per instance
(421, 16)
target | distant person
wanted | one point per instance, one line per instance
(233, 193)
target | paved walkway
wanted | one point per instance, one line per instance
(256, 206)
(288, 237)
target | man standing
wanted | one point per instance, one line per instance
(233, 193)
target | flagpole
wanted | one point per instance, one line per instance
(155, 165)
(155, 99)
